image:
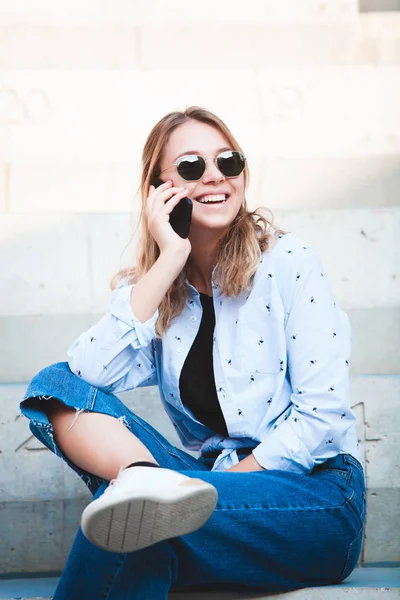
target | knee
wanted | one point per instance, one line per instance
(38, 401)
(53, 371)
(49, 376)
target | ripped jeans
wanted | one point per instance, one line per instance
(272, 531)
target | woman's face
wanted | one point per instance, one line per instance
(199, 138)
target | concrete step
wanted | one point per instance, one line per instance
(80, 13)
(49, 306)
(316, 137)
(368, 584)
(51, 506)
(74, 45)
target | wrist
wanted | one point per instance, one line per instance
(175, 254)
(248, 464)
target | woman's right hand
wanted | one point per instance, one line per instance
(160, 203)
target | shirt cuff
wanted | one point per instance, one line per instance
(291, 455)
(121, 309)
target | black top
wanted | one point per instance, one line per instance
(196, 382)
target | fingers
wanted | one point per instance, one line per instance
(160, 195)
(170, 204)
(154, 193)
(167, 192)
(160, 203)
(161, 188)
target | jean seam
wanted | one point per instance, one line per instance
(343, 474)
(92, 397)
(115, 574)
(156, 439)
(176, 455)
(343, 575)
(360, 516)
(335, 482)
(285, 508)
(350, 477)
(350, 460)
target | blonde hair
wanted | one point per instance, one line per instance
(239, 251)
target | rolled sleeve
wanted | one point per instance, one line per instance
(116, 353)
(126, 320)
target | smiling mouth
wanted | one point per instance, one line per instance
(213, 199)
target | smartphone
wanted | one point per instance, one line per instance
(181, 216)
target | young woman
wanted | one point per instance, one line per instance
(238, 327)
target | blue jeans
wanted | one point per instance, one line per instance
(272, 531)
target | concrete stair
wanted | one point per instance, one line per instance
(365, 584)
(49, 507)
(49, 308)
(314, 103)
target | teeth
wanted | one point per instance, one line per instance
(213, 198)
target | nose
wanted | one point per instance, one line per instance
(212, 173)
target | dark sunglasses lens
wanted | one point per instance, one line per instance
(191, 167)
(230, 163)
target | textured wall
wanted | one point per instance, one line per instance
(309, 87)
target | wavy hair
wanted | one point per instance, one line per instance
(239, 251)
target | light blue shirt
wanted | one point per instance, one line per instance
(281, 356)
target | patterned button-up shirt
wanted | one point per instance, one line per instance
(281, 356)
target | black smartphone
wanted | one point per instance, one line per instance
(181, 216)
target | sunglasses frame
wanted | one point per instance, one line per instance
(213, 158)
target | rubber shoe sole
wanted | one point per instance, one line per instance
(137, 522)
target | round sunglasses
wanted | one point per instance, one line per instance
(191, 167)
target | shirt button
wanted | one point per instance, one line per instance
(193, 318)
(177, 402)
(180, 350)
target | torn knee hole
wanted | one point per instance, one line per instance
(122, 419)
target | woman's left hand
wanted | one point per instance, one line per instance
(247, 465)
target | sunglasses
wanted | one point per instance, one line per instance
(191, 167)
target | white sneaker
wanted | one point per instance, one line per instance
(145, 505)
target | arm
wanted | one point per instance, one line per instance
(246, 465)
(117, 352)
(318, 350)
